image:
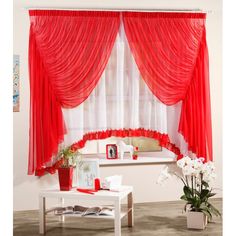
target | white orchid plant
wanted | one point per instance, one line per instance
(196, 177)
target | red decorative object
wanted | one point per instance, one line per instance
(135, 154)
(111, 151)
(65, 178)
(171, 53)
(88, 191)
(97, 184)
(68, 51)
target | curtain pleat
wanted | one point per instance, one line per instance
(121, 100)
(171, 53)
(68, 51)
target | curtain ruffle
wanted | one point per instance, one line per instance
(163, 139)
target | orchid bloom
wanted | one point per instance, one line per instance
(183, 162)
(208, 171)
(164, 175)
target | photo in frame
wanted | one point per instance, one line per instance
(111, 151)
(87, 171)
(16, 83)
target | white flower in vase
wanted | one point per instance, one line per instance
(195, 176)
(183, 162)
(197, 166)
(164, 175)
(209, 178)
(208, 167)
(174, 170)
(190, 167)
(188, 170)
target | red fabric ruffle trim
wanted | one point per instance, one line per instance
(122, 133)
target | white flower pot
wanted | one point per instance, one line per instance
(196, 220)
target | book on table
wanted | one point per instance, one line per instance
(64, 210)
(84, 211)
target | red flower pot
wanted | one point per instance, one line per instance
(65, 178)
(135, 157)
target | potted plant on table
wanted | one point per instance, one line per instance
(196, 177)
(68, 157)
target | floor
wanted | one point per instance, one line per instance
(162, 219)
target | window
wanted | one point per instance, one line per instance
(144, 145)
(121, 100)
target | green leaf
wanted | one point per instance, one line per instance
(187, 191)
(183, 197)
(214, 210)
(205, 184)
(198, 202)
(203, 204)
(211, 194)
(197, 192)
(204, 194)
(207, 213)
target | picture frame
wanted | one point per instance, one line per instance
(87, 170)
(16, 83)
(111, 151)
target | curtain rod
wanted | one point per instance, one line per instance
(118, 9)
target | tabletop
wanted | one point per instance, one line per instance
(100, 195)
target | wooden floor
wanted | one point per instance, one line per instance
(161, 219)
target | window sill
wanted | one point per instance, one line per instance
(139, 161)
(143, 158)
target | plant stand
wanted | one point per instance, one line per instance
(196, 220)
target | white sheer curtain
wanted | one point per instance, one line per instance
(122, 100)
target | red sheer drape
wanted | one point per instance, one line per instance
(68, 51)
(171, 53)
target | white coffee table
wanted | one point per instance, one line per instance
(114, 198)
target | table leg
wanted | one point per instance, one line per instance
(61, 203)
(117, 218)
(42, 217)
(131, 208)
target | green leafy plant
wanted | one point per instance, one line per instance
(68, 157)
(197, 197)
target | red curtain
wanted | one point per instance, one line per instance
(171, 53)
(68, 51)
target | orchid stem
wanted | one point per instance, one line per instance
(187, 180)
(192, 185)
(182, 179)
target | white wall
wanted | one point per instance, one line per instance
(143, 177)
